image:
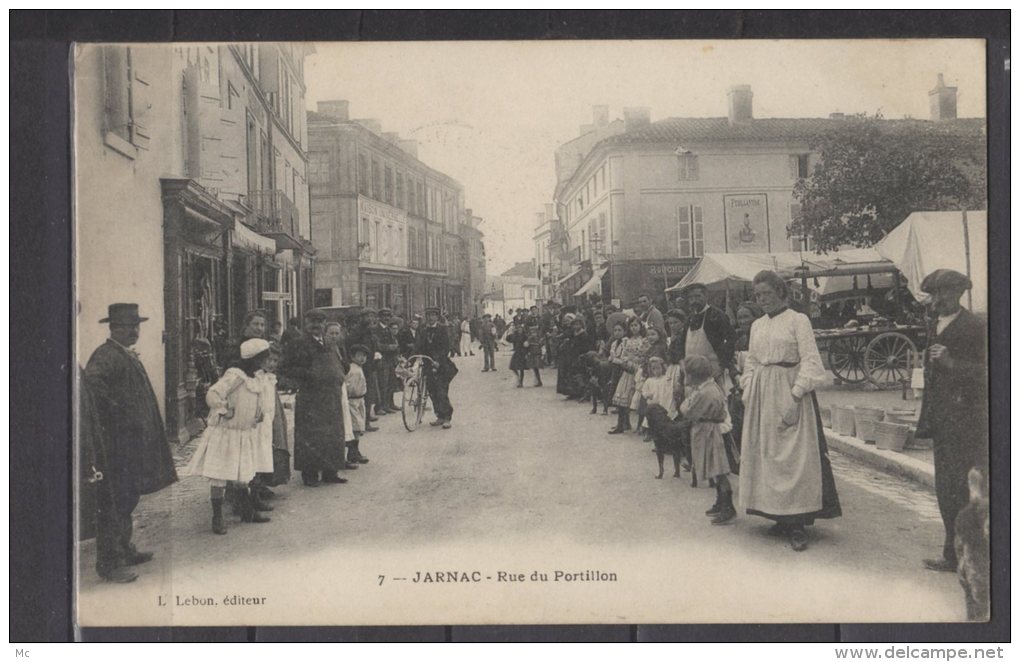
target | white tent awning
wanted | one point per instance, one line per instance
(930, 240)
(594, 283)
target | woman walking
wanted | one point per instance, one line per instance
(785, 473)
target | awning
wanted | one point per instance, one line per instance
(568, 276)
(594, 283)
(930, 240)
(245, 237)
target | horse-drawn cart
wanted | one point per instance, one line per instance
(884, 354)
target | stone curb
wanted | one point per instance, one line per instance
(883, 460)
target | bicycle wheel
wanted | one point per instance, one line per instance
(409, 407)
(423, 398)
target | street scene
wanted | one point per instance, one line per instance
(718, 359)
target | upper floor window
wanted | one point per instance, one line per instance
(690, 231)
(400, 191)
(363, 175)
(388, 185)
(125, 90)
(799, 164)
(377, 189)
(687, 165)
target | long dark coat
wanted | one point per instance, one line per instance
(138, 458)
(406, 339)
(519, 360)
(92, 457)
(316, 370)
(954, 414)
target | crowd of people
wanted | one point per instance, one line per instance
(728, 402)
(733, 404)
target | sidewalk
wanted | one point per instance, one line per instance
(914, 464)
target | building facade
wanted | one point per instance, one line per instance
(646, 203)
(190, 198)
(387, 228)
(515, 288)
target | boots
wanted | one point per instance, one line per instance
(258, 501)
(716, 507)
(726, 510)
(538, 378)
(218, 527)
(622, 421)
(354, 455)
(248, 511)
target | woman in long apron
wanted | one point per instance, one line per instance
(785, 473)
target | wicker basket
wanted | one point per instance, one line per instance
(864, 421)
(843, 420)
(891, 436)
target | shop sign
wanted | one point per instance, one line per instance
(671, 268)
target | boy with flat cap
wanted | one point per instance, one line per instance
(434, 342)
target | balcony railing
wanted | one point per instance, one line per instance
(274, 212)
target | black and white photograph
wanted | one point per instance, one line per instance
(530, 332)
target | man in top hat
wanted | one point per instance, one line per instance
(954, 411)
(314, 367)
(137, 456)
(434, 342)
(708, 331)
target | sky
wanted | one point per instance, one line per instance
(491, 114)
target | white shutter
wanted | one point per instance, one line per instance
(142, 98)
(684, 246)
(698, 232)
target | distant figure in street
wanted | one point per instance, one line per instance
(500, 325)
(137, 457)
(465, 337)
(487, 340)
(407, 337)
(518, 339)
(649, 314)
(234, 446)
(316, 370)
(434, 342)
(785, 473)
(954, 412)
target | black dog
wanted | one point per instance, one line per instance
(600, 381)
(671, 438)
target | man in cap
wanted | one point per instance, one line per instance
(137, 456)
(708, 331)
(487, 339)
(315, 368)
(434, 342)
(954, 411)
(388, 348)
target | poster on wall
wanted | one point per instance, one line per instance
(747, 223)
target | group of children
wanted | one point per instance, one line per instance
(246, 432)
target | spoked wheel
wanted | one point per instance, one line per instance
(412, 406)
(846, 359)
(887, 359)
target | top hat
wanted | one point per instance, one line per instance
(123, 313)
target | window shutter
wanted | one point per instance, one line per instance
(684, 231)
(794, 167)
(694, 169)
(141, 96)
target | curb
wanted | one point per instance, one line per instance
(883, 460)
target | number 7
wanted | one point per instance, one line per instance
(381, 578)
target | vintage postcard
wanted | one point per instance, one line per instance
(591, 332)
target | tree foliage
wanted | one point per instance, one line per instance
(873, 173)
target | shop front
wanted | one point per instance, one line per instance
(385, 290)
(197, 272)
(626, 279)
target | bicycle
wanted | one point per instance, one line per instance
(416, 389)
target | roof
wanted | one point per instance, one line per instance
(719, 129)
(522, 269)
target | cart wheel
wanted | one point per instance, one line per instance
(846, 359)
(888, 359)
(410, 406)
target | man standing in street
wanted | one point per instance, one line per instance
(407, 338)
(487, 339)
(137, 456)
(434, 342)
(954, 412)
(649, 314)
(388, 349)
(708, 332)
(315, 368)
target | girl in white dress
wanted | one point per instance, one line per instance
(234, 446)
(785, 473)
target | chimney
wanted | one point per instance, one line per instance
(600, 115)
(550, 211)
(740, 97)
(635, 118)
(586, 128)
(392, 136)
(409, 146)
(942, 101)
(338, 109)
(372, 124)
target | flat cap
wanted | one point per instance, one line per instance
(941, 279)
